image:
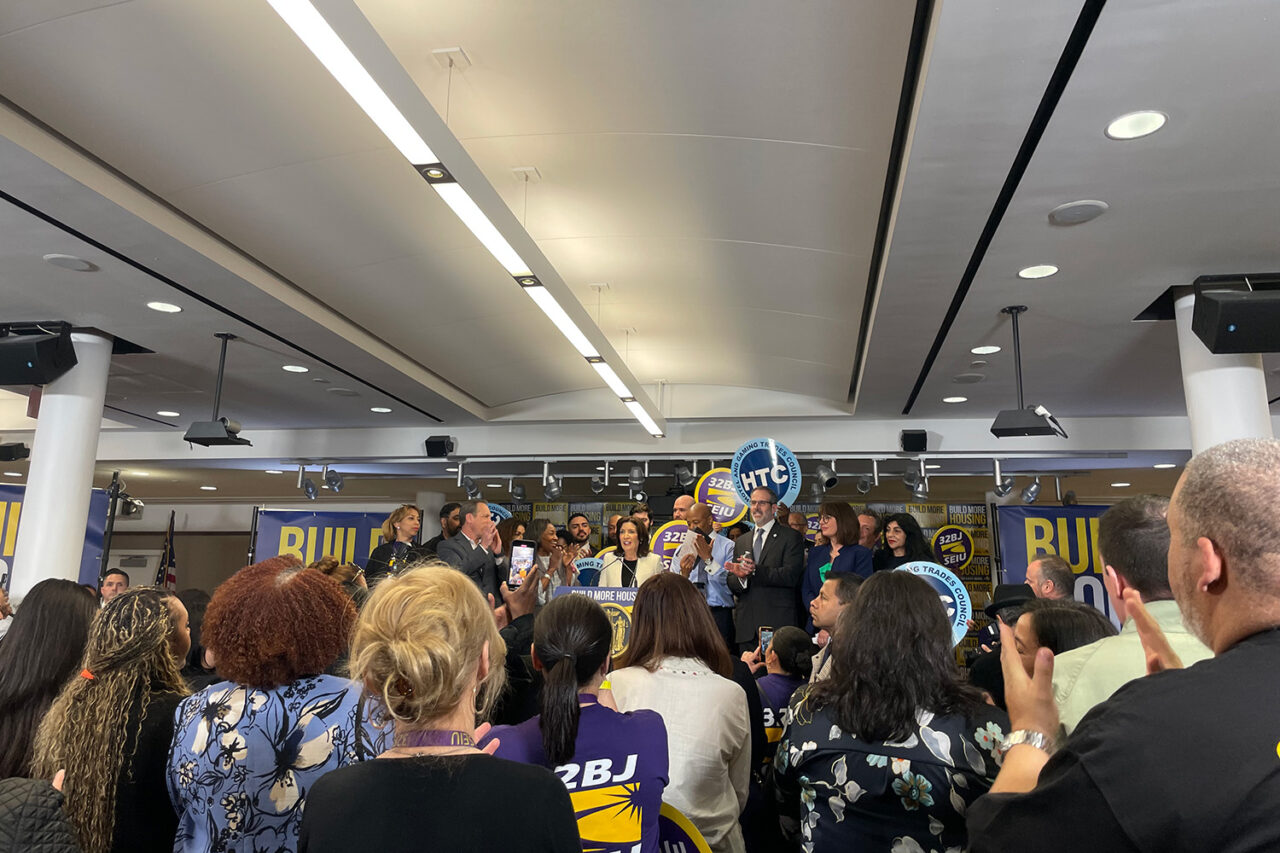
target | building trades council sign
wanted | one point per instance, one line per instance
(951, 592)
(768, 463)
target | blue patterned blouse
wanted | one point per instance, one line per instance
(242, 759)
(838, 792)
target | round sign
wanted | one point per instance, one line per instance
(715, 489)
(952, 547)
(620, 621)
(768, 463)
(951, 591)
(677, 832)
(603, 551)
(499, 513)
(588, 570)
(666, 540)
(811, 526)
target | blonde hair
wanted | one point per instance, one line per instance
(389, 526)
(128, 658)
(418, 640)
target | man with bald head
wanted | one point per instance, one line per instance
(701, 559)
(680, 508)
(1183, 757)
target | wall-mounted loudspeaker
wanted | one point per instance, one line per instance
(914, 440)
(439, 446)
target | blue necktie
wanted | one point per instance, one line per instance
(759, 546)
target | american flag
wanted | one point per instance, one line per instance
(166, 575)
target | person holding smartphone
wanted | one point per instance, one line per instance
(557, 568)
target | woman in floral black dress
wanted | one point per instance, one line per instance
(889, 752)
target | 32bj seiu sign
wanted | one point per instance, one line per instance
(307, 535)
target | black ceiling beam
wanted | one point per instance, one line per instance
(1062, 72)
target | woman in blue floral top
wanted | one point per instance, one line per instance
(888, 753)
(246, 750)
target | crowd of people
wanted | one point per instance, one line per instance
(422, 702)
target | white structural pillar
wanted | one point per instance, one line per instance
(56, 504)
(429, 503)
(1226, 394)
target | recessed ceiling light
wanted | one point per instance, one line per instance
(599, 467)
(1077, 212)
(164, 413)
(381, 410)
(297, 368)
(987, 350)
(452, 470)
(140, 473)
(1165, 465)
(164, 307)
(933, 467)
(273, 472)
(70, 262)
(493, 485)
(13, 473)
(1120, 485)
(1038, 271)
(208, 488)
(1136, 124)
(955, 399)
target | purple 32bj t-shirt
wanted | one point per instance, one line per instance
(615, 779)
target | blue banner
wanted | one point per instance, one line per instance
(768, 463)
(310, 535)
(1071, 532)
(11, 497)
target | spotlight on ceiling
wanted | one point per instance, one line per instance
(921, 490)
(333, 480)
(517, 492)
(910, 477)
(472, 488)
(639, 496)
(553, 488)
(597, 485)
(684, 476)
(1003, 487)
(864, 484)
(827, 477)
(1031, 492)
(1069, 498)
(310, 489)
(636, 478)
(816, 489)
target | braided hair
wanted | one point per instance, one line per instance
(128, 658)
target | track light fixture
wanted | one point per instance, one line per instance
(553, 488)
(636, 478)
(921, 490)
(910, 477)
(310, 489)
(827, 477)
(684, 476)
(1004, 485)
(639, 496)
(472, 488)
(517, 492)
(1031, 492)
(597, 485)
(864, 484)
(333, 480)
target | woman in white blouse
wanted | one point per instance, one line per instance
(677, 664)
(631, 564)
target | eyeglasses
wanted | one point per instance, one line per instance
(762, 503)
(825, 517)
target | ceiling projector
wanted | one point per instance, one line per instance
(1015, 422)
(221, 432)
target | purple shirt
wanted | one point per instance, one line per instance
(616, 777)
(776, 690)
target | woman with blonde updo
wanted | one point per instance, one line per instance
(427, 648)
(110, 727)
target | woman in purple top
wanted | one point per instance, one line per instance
(614, 765)
(787, 664)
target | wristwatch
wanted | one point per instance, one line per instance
(1039, 740)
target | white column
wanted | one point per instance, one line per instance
(1226, 394)
(51, 529)
(429, 503)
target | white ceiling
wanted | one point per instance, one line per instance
(720, 165)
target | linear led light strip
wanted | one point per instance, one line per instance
(314, 31)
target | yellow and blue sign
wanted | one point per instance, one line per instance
(764, 462)
(1071, 532)
(11, 497)
(952, 547)
(308, 535)
(617, 602)
(715, 489)
(666, 540)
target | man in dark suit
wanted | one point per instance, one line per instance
(476, 550)
(767, 585)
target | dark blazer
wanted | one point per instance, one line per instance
(852, 558)
(476, 563)
(772, 594)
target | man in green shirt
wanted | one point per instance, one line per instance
(1133, 540)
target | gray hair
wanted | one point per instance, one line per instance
(1228, 495)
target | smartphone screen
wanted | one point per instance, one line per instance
(522, 556)
(766, 637)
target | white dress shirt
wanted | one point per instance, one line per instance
(708, 742)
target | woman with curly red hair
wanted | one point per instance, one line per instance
(247, 749)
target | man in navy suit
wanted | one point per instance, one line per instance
(767, 569)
